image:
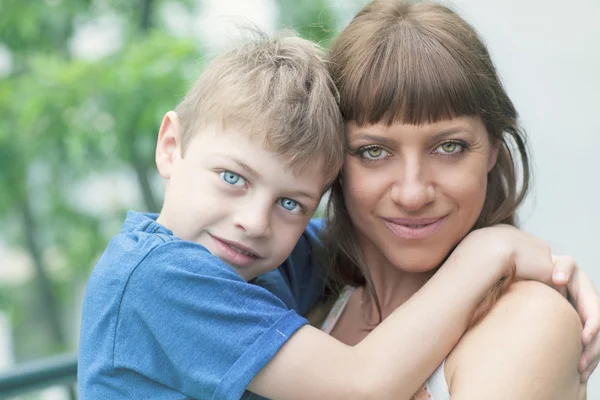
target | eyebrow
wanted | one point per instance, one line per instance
(246, 168)
(449, 132)
(306, 195)
(389, 142)
(374, 138)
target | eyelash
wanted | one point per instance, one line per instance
(464, 146)
(223, 172)
(361, 150)
(302, 209)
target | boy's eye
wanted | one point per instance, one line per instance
(290, 205)
(451, 148)
(373, 153)
(232, 178)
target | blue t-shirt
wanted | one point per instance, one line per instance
(165, 319)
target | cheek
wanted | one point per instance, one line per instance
(467, 186)
(285, 236)
(198, 193)
(363, 187)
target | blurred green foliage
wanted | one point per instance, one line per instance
(65, 121)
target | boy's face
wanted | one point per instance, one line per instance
(234, 197)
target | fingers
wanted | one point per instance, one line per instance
(591, 353)
(587, 304)
(563, 270)
(591, 329)
(583, 377)
(587, 365)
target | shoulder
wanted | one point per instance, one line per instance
(138, 256)
(532, 334)
(303, 270)
(530, 307)
(181, 254)
(315, 227)
(184, 309)
(534, 303)
(310, 242)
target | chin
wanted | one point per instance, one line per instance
(415, 261)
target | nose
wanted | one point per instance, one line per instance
(254, 218)
(413, 188)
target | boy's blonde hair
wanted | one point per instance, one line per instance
(277, 87)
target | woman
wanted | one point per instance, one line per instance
(435, 151)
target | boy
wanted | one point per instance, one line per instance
(247, 156)
(169, 312)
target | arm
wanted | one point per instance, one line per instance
(214, 332)
(527, 347)
(408, 345)
(187, 321)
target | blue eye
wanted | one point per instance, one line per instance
(289, 204)
(232, 178)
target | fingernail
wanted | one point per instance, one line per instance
(560, 276)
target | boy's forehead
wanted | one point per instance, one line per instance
(309, 175)
(255, 155)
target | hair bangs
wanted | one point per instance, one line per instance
(413, 78)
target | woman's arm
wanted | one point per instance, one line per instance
(527, 347)
(394, 359)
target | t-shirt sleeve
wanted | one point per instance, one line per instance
(189, 321)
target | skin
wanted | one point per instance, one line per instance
(401, 172)
(507, 355)
(440, 170)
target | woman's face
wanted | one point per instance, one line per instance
(413, 192)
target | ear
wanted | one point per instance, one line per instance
(494, 150)
(168, 144)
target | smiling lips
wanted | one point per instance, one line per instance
(414, 228)
(234, 253)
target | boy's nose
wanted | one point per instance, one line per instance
(254, 221)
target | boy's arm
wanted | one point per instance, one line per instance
(527, 347)
(396, 358)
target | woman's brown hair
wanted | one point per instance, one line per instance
(417, 63)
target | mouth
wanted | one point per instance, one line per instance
(234, 253)
(414, 228)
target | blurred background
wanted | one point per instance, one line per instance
(84, 85)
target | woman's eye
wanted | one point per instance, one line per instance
(232, 178)
(373, 153)
(290, 205)
(450, 148)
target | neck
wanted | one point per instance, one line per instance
(392, 285)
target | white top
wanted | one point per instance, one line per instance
(434, 389)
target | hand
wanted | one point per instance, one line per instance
(584, 297)
(515, 251)
(531, 259)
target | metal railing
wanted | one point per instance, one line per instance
(34, 375)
